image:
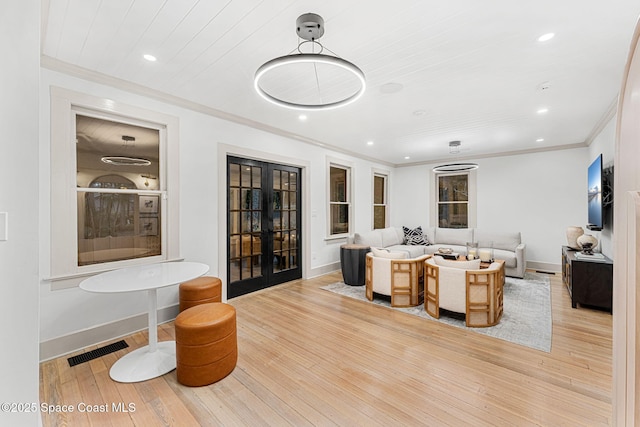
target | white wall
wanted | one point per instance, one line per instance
(410, 194)
(68, 313)
(538, 194)
(19, 45)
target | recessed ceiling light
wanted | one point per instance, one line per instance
(546, 37)
(540, 140)
(302, 117)
(391, 88)
(369, 142)
(543, 110)
(150, 58)
(407, 157)
(419, 112)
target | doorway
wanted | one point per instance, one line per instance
(263, 225)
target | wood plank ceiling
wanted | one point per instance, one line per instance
(436, 71)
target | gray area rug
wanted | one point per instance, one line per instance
(527, 311)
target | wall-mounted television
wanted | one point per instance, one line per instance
(594, 194)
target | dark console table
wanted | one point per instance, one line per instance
(589, 281)
(352, 262)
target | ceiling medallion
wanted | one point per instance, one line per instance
(310, 27)
(456, 167)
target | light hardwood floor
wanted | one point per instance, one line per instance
(311, 357)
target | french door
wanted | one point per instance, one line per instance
(263, 223)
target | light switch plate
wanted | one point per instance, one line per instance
(4, 224)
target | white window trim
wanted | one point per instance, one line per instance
(385, 175)
(471, 204)
(338, 163)
(63, 245)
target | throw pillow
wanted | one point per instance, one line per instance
(465, 265)
(418, 240)
(386, 253)
(415, 236)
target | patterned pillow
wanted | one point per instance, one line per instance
(415, 236)
(418, 240)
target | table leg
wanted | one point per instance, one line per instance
(153, 320)
(150, 361)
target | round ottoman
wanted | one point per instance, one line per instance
(206, 343)
(201, 290)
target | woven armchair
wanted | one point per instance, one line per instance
(399, 278)
(476, 292)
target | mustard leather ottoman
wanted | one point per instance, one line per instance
(201, 290)
(206, 343)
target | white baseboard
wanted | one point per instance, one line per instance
(323, 269)
(75, 341)
(70, 343)
(547, 267)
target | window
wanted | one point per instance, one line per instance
(118, 207)
(380, 216)
(112, 169)
(453, 200)
(339, 199)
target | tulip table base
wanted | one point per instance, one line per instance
(143, 364)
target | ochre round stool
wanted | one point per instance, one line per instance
(201, 290)
(206, 343)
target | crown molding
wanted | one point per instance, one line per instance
(493, 155)
(608, 115)
(100, 78)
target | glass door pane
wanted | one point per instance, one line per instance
(263, 219)
(284, 220)
(245, 221)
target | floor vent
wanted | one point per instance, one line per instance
(98, 352)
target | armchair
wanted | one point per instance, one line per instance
(393, 274)
(463, 287)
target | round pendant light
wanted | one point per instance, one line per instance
(456, 167)
(310, 27)
(125, 161)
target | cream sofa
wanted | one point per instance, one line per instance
(507, 246)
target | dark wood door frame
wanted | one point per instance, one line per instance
(263, 224)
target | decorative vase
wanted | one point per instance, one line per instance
(587, 243)
(573, 233)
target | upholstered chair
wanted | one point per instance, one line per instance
(394, 274)
(464, 287)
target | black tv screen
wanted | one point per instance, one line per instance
(594, 194)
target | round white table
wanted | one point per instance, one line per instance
(155, 359)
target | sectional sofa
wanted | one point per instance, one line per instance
(506, 245)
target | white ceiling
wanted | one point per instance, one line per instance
(468, 70)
